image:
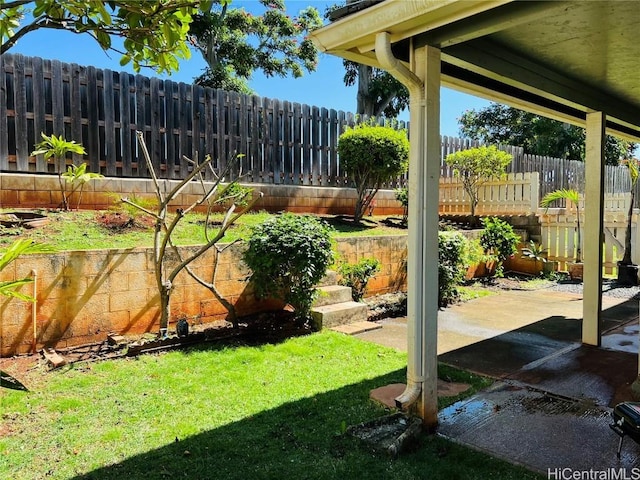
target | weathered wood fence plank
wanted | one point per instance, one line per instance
(282, 142)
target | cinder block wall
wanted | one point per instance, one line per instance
(84, 295)
(43, 191)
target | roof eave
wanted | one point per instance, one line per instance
(400, 18)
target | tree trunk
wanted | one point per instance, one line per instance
(365, 105)
(165, 307)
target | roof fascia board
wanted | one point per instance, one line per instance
(400, 18)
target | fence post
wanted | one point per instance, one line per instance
(534, 185)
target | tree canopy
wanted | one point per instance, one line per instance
(378, 92)
(476, 166)
(499, 124)
(235, 43)
(154, 32)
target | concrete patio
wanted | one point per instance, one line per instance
(551, 405)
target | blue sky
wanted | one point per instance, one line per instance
(322, 88)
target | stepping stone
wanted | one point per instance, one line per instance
(356, 327)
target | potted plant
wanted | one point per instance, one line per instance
(499, 242)
(627, 270)
(534, 251)
(572, 196)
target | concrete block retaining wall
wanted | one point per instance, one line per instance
(43, 191)
(84, 295)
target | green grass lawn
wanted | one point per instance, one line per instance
(223, 412)
(82, 230)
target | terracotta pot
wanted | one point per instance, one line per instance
(550, 266)
(575, 270)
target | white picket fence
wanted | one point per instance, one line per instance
(516, 194)
(519, 194)
(559, 232)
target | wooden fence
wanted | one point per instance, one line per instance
(516, 194)
(280, 142)
(560, 234)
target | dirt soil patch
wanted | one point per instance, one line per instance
(515, 281)
(266, 327)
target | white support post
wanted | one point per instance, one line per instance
(593, 228)
(428, 298)
(423, 82)
(422, 268)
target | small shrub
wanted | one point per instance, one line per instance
(357, 275)
(499, 241)
(56, 149)
(402, 196)
(451, 264)
(289, 255)
(78, 176)
(473, 252)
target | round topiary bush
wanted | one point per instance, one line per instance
(288, 255)
(372, 155)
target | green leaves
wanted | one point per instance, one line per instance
(476, 166)
(235, 43)
(561, 194)
(154, 31)
(288, 256)
(535, 251)
(499, 124)
(498, 239)
(451, 249)
(372, 155)
(19, 247)
(574, 197)
(57, 147)
(357, 275)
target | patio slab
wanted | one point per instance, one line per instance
(551, 409)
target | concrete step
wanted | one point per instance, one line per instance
(330, 278)
(332, 294)
(338, 314)
(356, 328)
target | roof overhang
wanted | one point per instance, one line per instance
(560, 59)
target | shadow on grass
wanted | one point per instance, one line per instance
(345, 224)
(303, 439)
